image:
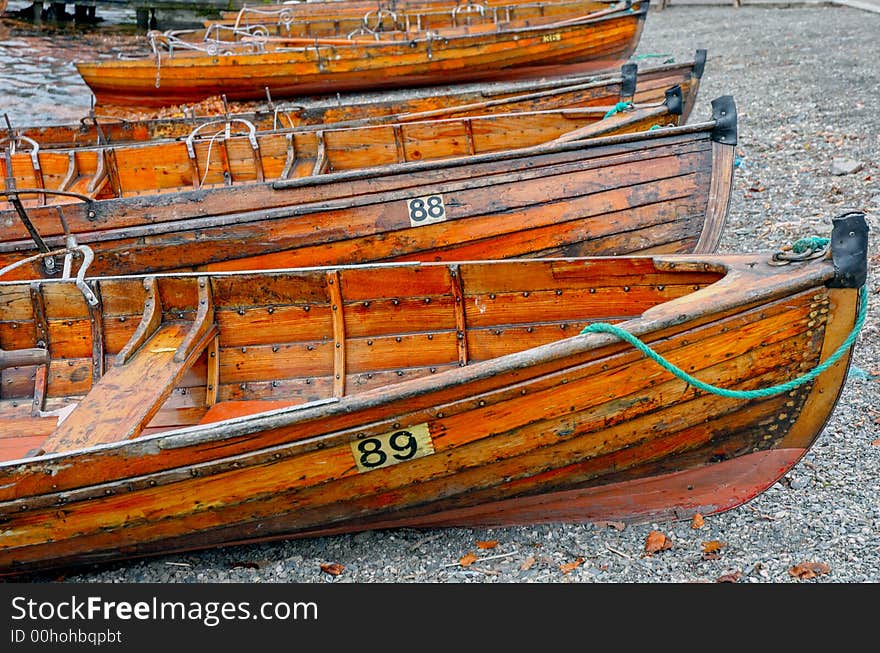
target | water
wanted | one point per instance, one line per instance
(39, 83)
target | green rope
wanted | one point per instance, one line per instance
(617, 108)
(604, 327)
(637, 57)
(811, 244)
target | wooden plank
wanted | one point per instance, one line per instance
(121, 404)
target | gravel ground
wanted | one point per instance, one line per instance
(803, 79)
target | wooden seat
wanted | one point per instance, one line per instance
(127, 396)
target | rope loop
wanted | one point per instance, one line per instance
(804, 249)
(604, 327)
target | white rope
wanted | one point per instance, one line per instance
(208, 158)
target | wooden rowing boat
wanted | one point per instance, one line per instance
(599, 40)
(154, 414)
(396, 105)
(356, 18)
(232, 152)
(660, 190)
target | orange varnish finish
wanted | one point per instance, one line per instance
(521, 420)
(591, 42)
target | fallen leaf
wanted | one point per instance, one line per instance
(487, 544)
(571, 566)
(657, 541)
(467, 559)
(697, 521)
(332, 568)
(488, 572)
(244, 565)
(807, 570)
(527, 563)
(713, 545)
(729, 578)
(876, 443)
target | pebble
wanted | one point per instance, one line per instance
(845, 166)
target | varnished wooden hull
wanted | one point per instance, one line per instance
(663, 190)
(565, 47)
(215, 160)
(593, 90)
(472, 374)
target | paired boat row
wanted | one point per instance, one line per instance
(469, 305)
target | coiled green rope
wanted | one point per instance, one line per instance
(617, 108)
(803, 245)
(811, 244)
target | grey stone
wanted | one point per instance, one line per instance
(845, 166)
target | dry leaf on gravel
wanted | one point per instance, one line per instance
(697, 521)
(568, 567)
(487, 544)
(807, 570)
(244, 565)
(657, 541)
(713, 545)
(527, 563)
(332, 568)
(467, 559)
(729, 578)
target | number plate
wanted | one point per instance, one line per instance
(550, 38)
(392, 448)
(426, 210)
